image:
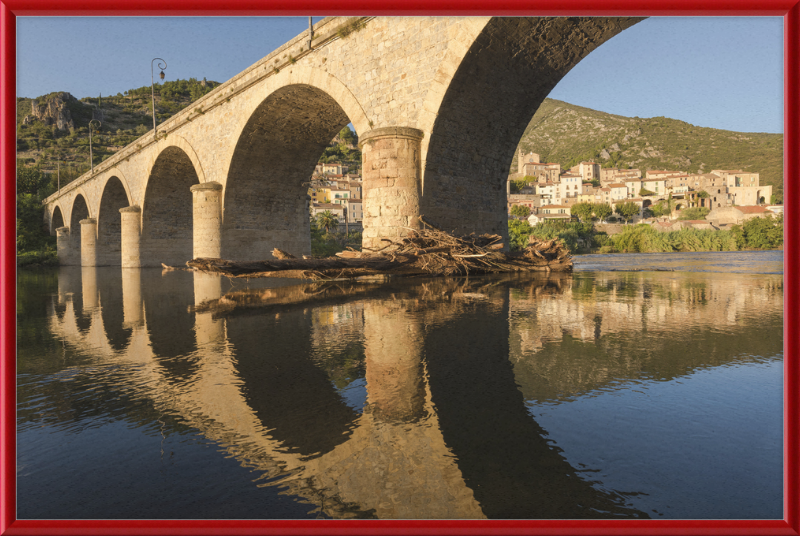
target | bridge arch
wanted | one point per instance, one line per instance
(166, 235)
(116, 195)
(265, 200)
(495, 88)
(56, 219)
(179, 142)
(78, 211)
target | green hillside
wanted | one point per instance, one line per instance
(567, 134)
(123, 118)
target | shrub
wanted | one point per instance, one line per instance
(693, 213)
(521, 211)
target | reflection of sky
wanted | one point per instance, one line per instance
(724, 423)
(673, 439)
(355, 394)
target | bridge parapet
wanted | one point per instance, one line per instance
(325, 32)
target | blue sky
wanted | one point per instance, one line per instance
(720, 72)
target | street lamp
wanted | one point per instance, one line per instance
(91, 124)
(152, 88)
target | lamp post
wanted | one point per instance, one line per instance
(91, 159)
(152, 88)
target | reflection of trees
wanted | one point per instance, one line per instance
(445, 431)
(621, 327)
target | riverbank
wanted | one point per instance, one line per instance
(738, 262)
(31, 259)
(581, 238)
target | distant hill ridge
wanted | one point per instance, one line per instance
(53, 128)
(568, 134)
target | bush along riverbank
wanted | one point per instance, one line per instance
(754, 234)
(35, 246)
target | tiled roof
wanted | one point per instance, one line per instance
(752, 210)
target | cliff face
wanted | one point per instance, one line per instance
(53, 112)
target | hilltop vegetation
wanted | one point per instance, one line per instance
(567, 134)
(123, 118)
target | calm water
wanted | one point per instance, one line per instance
(600, 394)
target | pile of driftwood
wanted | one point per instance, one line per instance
(424, 252)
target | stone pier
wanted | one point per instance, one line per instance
(393, 341)
(89, 292)
(391, 182)
(66, 253)
(89, 242)
(207, 219)
(132, 304)
(130, 236)
(207, 287)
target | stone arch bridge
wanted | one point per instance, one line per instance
(439, 105)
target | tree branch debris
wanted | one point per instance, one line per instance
(427, 252)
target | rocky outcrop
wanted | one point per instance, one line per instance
(54, 111)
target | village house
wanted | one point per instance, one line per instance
(744, 187)
(339, 196)
(618, 175)
(549, 212)
(320, 194)
(591, 197)
(618, 191)
(319, 208)
(715, 190)
(588, 171)
(334, 168)
(662, 174)
(657, 186)
(526, 158)
(355, 213)
(737, 214)
(548, 191)
(570, 187)
(355, 189)
(531, 201)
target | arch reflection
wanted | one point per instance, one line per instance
(409, 400)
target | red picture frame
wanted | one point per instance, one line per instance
(788, 9)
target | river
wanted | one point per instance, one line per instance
(652, 393)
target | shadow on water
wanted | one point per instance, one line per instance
(441, 426)
(463, 333)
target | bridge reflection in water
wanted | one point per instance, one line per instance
(405, 400)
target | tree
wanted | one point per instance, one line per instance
(518, 233)
(327, 220)
(602, 211)
(583, 211)
(702, 194)
(521, 211)
(31, 180)
(662, 208)
(347, 136)
(693, 213)
(627, 209)
(645, 191)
